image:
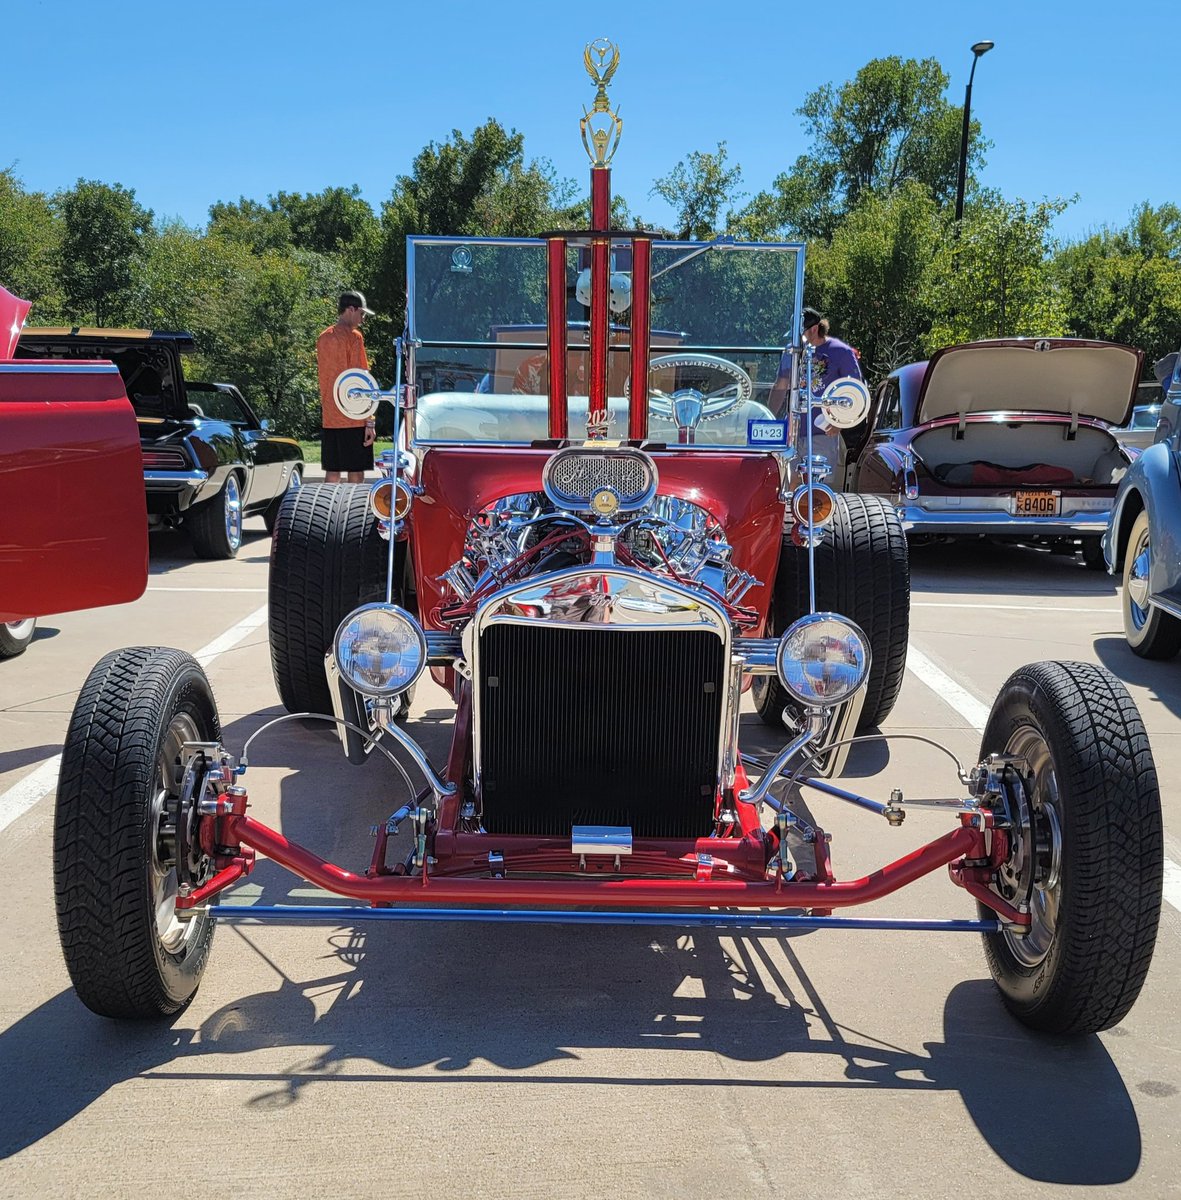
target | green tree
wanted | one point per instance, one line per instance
(889, 124)
(873, 276)
(251, 223)
(1124, 285)
(997, 278)
(103, 230)
(327, 222)
(29, 248)
(264, 337)
(477, 186)
(698, 188)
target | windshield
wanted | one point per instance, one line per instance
(721, 315)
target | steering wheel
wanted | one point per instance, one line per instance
(688, 407)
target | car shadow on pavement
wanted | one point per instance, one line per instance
(13, 760)
(501, 1003)
(172, 549)
(982, 567)
(1161, 678)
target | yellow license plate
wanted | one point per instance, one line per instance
(1036, 504)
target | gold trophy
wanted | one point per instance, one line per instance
(600, 125)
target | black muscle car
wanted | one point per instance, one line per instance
(209, 461)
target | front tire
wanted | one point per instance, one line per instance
(863, 573)
(15, 636)
(216, 525)
(1088, 850)
(1151, 632)
(327, 558)
(115, 890)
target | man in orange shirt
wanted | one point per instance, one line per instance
(346, 445)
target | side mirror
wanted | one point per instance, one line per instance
(266, 424)
(845, 402)
(356, 394)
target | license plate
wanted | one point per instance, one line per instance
(1036, 504)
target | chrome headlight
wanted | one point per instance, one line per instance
(380, 650)
(822, 659)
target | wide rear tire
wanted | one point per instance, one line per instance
(1096, 854)
(863, 573)
(115, 890)
(216, 525)
(327, 558)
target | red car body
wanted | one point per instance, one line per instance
(73, 521)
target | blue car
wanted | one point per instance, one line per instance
(1143, 538)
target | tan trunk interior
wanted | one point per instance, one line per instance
(1092, 455)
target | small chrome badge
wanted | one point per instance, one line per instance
(461, 260)
(605, 502)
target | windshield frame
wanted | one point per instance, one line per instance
(415, 341)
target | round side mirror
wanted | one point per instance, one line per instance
(845, 402)
(356, 394)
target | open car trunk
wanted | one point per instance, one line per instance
(1020, 454)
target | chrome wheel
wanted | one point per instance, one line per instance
(1138, 573)
(21, 631)
(165, 813)
(1034, 869)
(232, 503)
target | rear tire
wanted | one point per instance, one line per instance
(1092, 552)
(115, 891)
(216, 525)
(1099, 859)
(15, 636)
(1151, 632)
(294, 483)
(863, 573)
(327, 558)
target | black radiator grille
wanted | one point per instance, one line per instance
(599, 727)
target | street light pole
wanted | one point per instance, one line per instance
(977, 50)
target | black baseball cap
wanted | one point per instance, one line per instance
(809, 318)
(353, 300)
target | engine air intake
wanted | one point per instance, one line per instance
(573, 477)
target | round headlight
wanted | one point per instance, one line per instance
(822, 659)
(380, 650)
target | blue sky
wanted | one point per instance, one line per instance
(189, 104)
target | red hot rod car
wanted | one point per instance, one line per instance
(598, 556)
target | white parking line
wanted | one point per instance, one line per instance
(21, 797)
(976, 714)
(261, 591)
(942, 684)
(1026, 608)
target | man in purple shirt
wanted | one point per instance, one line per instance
(831, 358)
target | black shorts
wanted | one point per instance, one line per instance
(344, 450)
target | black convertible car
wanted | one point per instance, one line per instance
(208, 460)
